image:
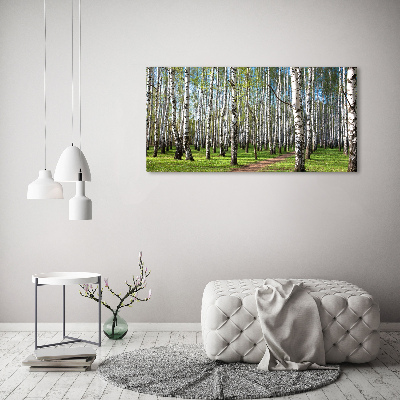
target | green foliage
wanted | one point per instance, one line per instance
(323, 160)
(166, 162)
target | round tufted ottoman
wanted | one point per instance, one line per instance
(231, 330)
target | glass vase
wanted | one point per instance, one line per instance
(115, 327)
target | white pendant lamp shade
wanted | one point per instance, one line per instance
(71, 162)
(44, 187)
(80, 206)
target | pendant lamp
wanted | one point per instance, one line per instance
(72, 162)
(80, 206)
(44, 186)
(72, 165)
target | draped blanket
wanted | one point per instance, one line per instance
(291, 327)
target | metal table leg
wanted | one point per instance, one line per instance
(73, 339)
(100, 297)
(36, 286)
(63, 311)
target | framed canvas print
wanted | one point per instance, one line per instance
(251, 119)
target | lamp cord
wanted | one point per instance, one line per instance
(72, 68)
(79, 88)
(44, 84)
(79, 85)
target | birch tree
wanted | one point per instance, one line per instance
(268, 112)
(223, 117)
(164, 144)
(344, 114)
(338, 116)
(298, 119)
(284, 114)
(209, 116)
(177, 139)
(186, 142)
(149, 105)
(308, 113)
(352, 117)
(234, 125)
(199, 109)
(279, 112)
(313, 113)
(247, 122)
(156, 120)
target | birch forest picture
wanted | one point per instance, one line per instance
(251, 119)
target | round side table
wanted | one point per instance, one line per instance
(66, 278)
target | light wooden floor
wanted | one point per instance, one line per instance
(379, 379)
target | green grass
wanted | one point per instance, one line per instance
(323, 160)
(166, 162)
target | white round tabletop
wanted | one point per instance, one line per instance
(65, 278)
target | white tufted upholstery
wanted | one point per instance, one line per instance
(231, 330)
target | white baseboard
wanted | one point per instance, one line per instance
(138, 327)
(92, 327)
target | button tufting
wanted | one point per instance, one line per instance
(329, 295)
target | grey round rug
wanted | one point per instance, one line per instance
(185, 371)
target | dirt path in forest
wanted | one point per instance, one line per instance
(261, 164)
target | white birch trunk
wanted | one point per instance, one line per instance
(199, 113)
(308, 112)
(234, 126)
(279, 112)
(156, 120)
(149, 104)
(177, 139)
(198, 122)
(298, 119)
(166, 120)
(186, 142)
(339, 115)
(162, 126)
(222, 131)
(352, 117)
(217, 112)
(180, 131)
(163, 135)
(313, 114)
(344, 114)
(286, 110)
(268, 111)
(283, 120)
(275, 125)
(228, 116)
(317, 131)
(257, 126)
(239, 118)
(209, 116)
(247, 122)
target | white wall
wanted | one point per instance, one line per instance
(192, 228)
